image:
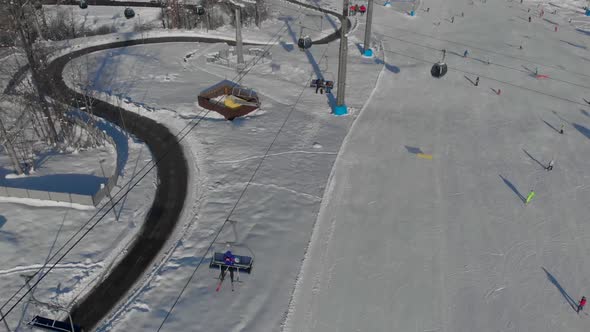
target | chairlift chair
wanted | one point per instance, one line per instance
(200, 10)
(38, 5)
(83, 4)
(129, 13)
(55, 325)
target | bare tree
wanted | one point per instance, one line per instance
(7, 143)
(21, 17)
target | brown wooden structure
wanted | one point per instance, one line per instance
(237, 100)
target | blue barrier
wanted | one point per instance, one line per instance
(340, 110)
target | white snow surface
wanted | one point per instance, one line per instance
(408, 243)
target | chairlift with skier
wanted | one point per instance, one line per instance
(235, 259)
(83, 4)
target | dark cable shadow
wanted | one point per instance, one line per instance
(455, 53)
(513, 188)
(550, 126)
(485, 62)
(583, 130)
(533, 158)
(585, 112)
(574, 44)
(565, 295)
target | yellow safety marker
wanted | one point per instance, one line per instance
(424, 156)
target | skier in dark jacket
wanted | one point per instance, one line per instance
(362, 9)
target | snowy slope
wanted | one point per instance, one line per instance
(408, 243)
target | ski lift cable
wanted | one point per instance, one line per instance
(489, 62)
(262, 159)
(490, 78)
(180, 135)
(479, 48)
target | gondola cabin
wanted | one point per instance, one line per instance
(304, 43)
(438, 70)
(129, 13)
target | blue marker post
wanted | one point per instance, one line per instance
(587, 12)
(412, 13)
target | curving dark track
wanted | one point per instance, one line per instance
(172, 174)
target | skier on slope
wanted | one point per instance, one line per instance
(362, 9)
(582, 304)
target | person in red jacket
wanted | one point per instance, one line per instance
(352, 10)
(582, 304)
(363, 9)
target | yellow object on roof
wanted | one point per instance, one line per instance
(232, 102)
(235, 102)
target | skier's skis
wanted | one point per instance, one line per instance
(220, 281)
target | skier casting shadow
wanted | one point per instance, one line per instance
(565, 295)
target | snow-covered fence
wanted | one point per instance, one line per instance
(46, 195)
(90, 200)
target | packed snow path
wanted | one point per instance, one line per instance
(424, 226)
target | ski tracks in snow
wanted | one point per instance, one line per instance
(274, 154)
(64, 266)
